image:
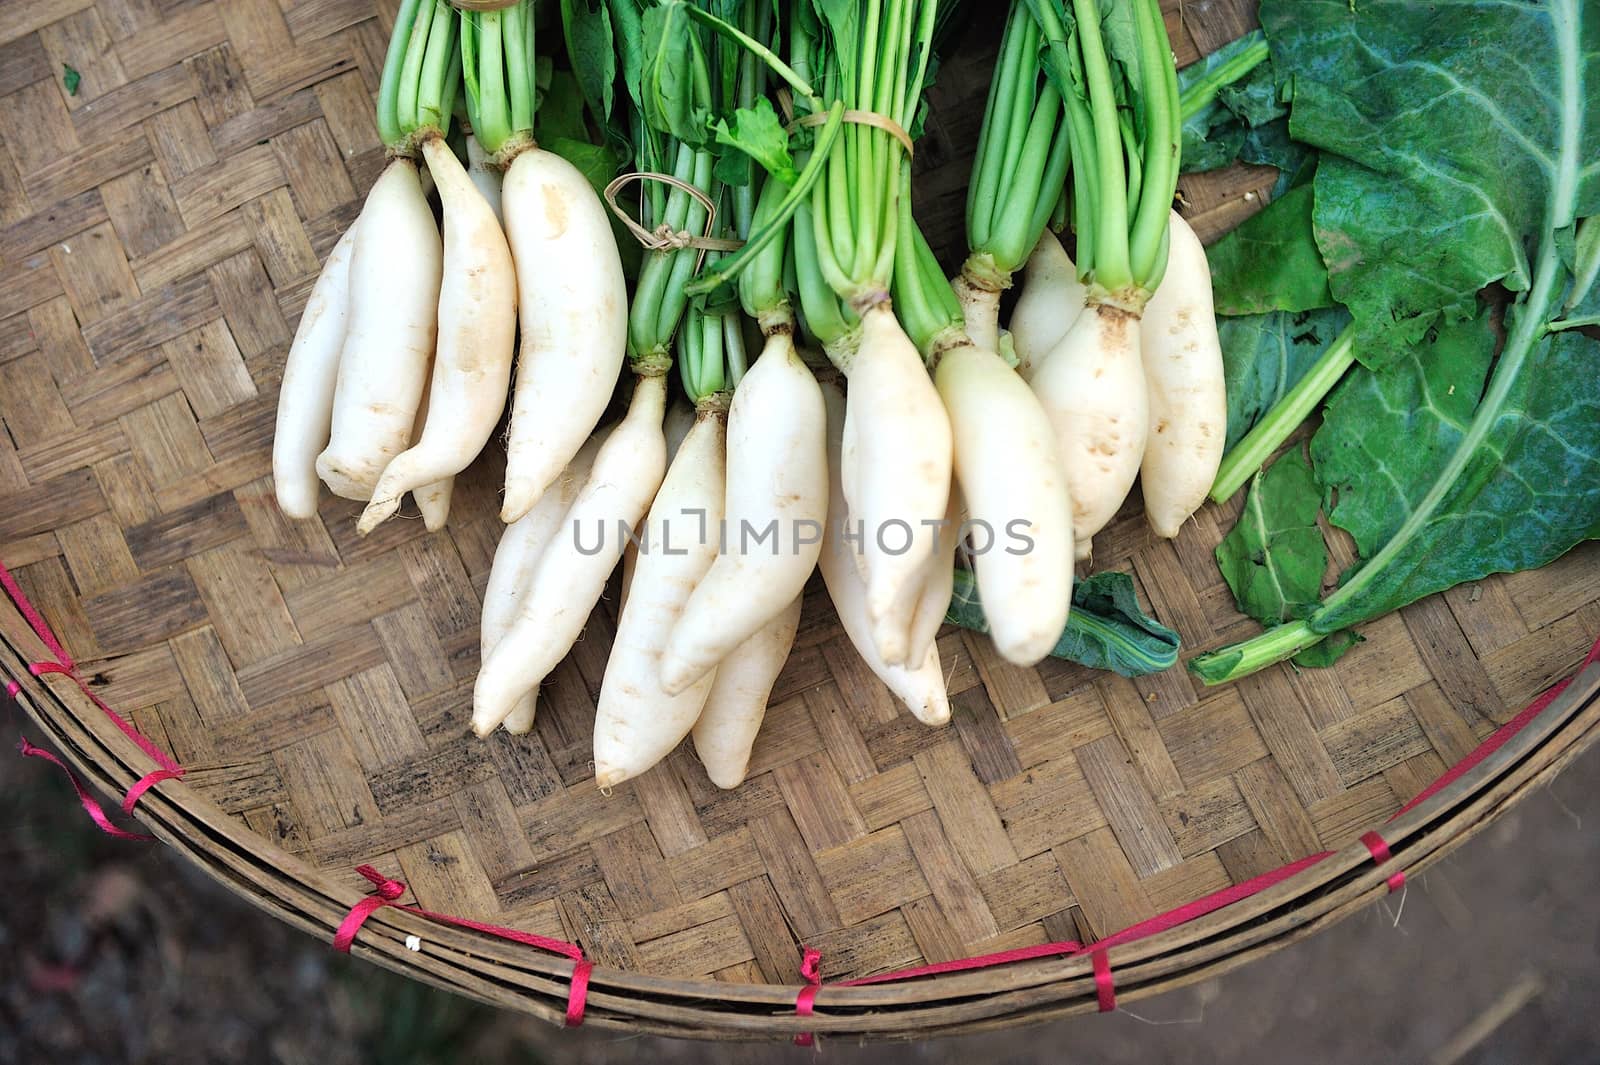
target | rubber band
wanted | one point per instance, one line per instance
(862, 118)
(1378, 847)
(387, 892)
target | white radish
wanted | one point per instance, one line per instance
(433, 500)
(1009, 467)
(395, 270)
(1052, 299)
(310, 375)
(776, 504)
(1092, 387)
(516, 559)
(921, 689)
(898, 480)
(477, 326)
(680, 419)
(574, 320)
(1184, 374)
(726, 731)
(571, 576)
(485, 177)
(637, 723)
(940, 583)
(980, 306)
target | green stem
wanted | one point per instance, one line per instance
(1258, 445)
(436, 68)
(1163, 132)
(730, 266)
(768, 56)
(1252, 656)
(389, 87)
(1198, 96)
(517, 33)
(1111, 268)
(411, 70)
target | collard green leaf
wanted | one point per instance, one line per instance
(1453, 140)
(1223, 97)
(1106, 629)
(1266, 355)
(1271, 261)
(759, 133)
(1329, 651)
(1440, 486)
(1274, 558)
(70, 79)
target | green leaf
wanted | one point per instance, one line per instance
(1525, 490)
(758, 132)
(1106, 629)
(1329, 651)
(560, 111)
(1266, 355)
(590, 50)
(1456, 151)
(1221, 104)
(70, 79)
(1271, 261)
(1275, 557)
(1448, 137)
(673, 60)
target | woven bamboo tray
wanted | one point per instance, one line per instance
(159, 232)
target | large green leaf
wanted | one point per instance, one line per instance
(1265, 355)
(1454, 139)
(1107, 629)
(1274, 558)
(1457, 150)
(1271, 261)
(1439, 487)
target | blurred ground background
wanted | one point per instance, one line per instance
(114, 952)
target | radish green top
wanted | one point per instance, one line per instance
(421, 74)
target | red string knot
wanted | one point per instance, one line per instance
(805, 1003)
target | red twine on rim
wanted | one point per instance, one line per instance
(1105, 990)
(1379, 849)
(387, 892)
(96, 812)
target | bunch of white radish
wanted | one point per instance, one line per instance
(924, 437)
(1122, 348)
(400, 368)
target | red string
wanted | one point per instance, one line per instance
(34, 618)
(169, 768)
(805, 1003)
(387, 892)
(96, 812)
(1500, 736)
(1379, 849)
(1105, 989)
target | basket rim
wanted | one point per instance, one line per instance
(506, 974)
